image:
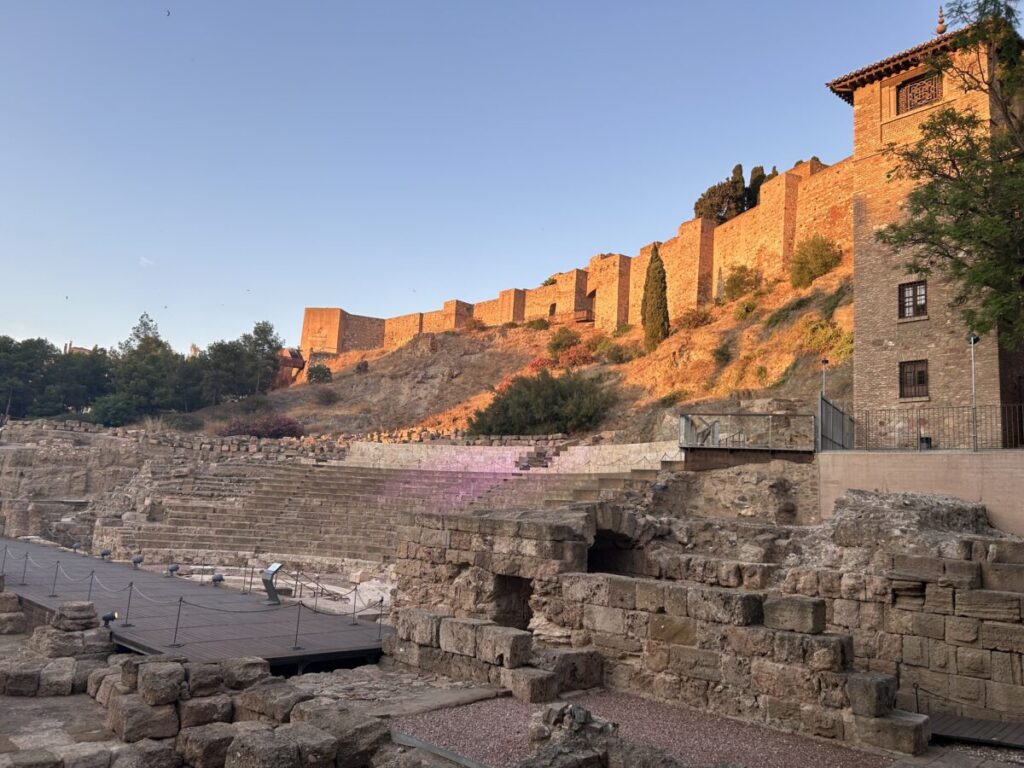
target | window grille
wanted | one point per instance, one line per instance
(913, 299)
(918, 92)
(914, 378)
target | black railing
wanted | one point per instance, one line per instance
(952, 428)
(747, 431)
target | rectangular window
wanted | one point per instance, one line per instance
(913, 300)
(918, 92)
(914, 378)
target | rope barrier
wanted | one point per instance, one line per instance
(229, 610)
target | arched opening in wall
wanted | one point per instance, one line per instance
(591, 301)
(613, 552)
(511, 602)
(552, 309)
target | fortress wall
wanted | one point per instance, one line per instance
(824, 205)
(434, 322)
(637, 278)
(457, 314)
(359, 332)
(489, 312)
(539, 300)
(321, 330)
(399, 330)
(688, 264)
(608, 281)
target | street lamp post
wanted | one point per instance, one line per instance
(824, 367)
(972, 341)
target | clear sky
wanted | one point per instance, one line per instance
(237, 160)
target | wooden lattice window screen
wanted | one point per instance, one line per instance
(918, 92)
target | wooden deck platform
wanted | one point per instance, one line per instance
(216, 623)
(992, 732)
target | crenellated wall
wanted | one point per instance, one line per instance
(811, 198)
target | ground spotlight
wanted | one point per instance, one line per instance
(136, 562)
(104, 554)
(75, 547)
(172, 569)
(108, 617)
(218, 579)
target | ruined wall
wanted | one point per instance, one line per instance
(399, 330)
(824, 207)
(608, 290)
(489, 312)
(434, 322)
(321, 331)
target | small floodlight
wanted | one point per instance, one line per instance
(218, 579)
(973, 338)
(173, 569)
(108, 617)
(104, 554)
(136, 562)
(76, 546)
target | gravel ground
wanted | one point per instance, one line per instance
(495, 733)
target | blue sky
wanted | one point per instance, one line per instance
(237, 160)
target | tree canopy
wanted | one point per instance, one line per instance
(728, 199)
(654, 304)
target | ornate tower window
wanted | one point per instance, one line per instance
(918, 92)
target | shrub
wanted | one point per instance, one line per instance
(544, 404)
(550, 281)
(814, 257)
(184, 422)
(561, 340)
(362, 366)
(326, 396)
(319, 374)
(253, 403)
(596, 342)
(537, 324)
(623, 353)
(740, 281)
(654, 304)
(761, 372)
(539, 364)
(722, 354)
(837, 298)
(574, 357)
(744, 309)
(275, 426)
(471, 324)
(622, 330)
(672, 398)
(783, 313)
(113, 410)
(510, 325)
(695, 318)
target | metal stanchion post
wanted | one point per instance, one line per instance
(3, 563)
(298, 615)
(316, 593)
(202, 571)
(24, 570)
(380, 620)
(177, 621)
(53, 589)
(92, 576)
(355, 600)
(128, 610)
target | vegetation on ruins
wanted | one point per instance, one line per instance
(740, 281)
(326, 396)
(575, 357)
(318, 374)
(964, 218)
(144, 375)
(561, 340)
(695, 317)
(537, 324)
(728, 199)
(273, 426)
(654, 305)
(744, 310)
(544, 405)
(812, 258)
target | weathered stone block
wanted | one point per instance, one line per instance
(611, 621)
(997, 636)
(782, 680)
(898, 731)
(504, 646)
(206, 746)
(75, 616)
(421, 626)
(589, 588)
(871, 694)
(677, 630)
(650, 596)
(530, 684)
(724, 606)
(261, 749)
(132, 719)
(9, 603)
(23, 678)
(1004, 698)
(575, 669)
(358, 735)
(827, 652)
(675, 599)
(57, 678)
(622, 592)
(1005, 577)
(794, 613)
(974, 662)
(97, 676)
(36, 758)
(161, 683)
(918, 568)
(243, 672)
(205, 710)
(204, 679)
(317, 748)
(988, 605)
(459, 635)
(270, 699)
(147, 754)
(695, 662)
(54, 643)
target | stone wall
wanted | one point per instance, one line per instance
(399, 330)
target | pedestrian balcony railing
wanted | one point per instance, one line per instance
(952, 428)
(747, 431)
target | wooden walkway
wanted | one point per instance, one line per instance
(993, 732)
(215, 623)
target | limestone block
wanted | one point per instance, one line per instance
(872, 694)
(962, 574)
(86, 756)
(358, 735)
(204, 710)
(898, 731)
(794, 613)
(9, 603)
(84, 668)
(109, 687)
(261, 749)
(827, 652)
(610, 621)
(589, 588)
(1006, 577)
(675, 599)
(575, 669)
(724, 606)
(147, 754)
(243, 672)
(97, 642)
(23, 678)
(57, 678)
(206, 746)
(918, 568)
(695, 663)
(161, 683)
(622, 592)
(270, 699)
(97, 676)
(998, 636)
(459, 635)
(36, 758)
(677, 630)
(1004, 698)
(317, 748)
(130, 666)
(13, 623)
(426, 627)
(204, 679)
(132, 719)
(54, 643)
(530, 684)
(504, 646)
(988, 605)
(650, 595)
(75, 616)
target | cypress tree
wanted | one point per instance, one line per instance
(654, 307)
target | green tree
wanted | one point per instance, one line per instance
(264, 347)
(145, 369)
(318, 374)
(724, 200)
(812, 258)
(963, 218)
(23, 370)
(654, 305)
